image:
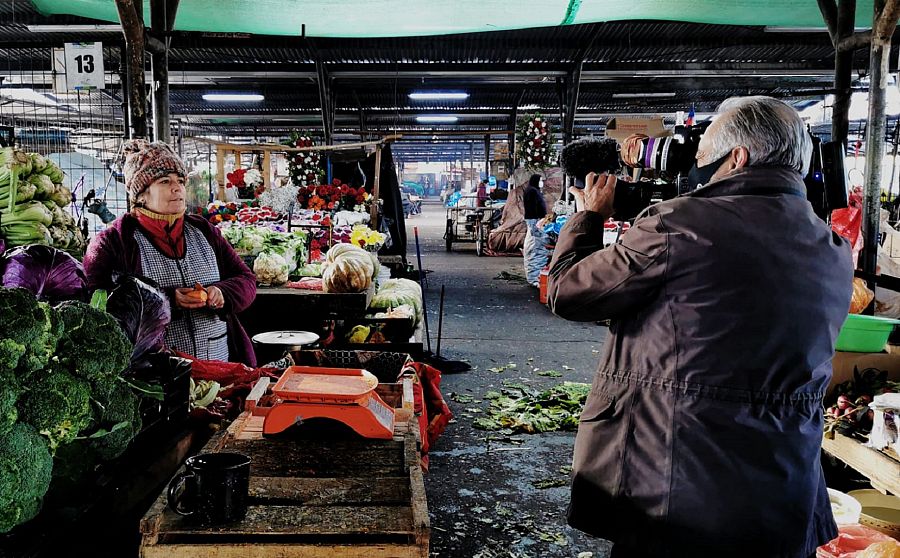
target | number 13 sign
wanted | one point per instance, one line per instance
(84, 66)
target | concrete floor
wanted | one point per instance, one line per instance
(480, 494)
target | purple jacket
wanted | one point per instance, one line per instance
(116, 250)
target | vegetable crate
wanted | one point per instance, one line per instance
(310, 498)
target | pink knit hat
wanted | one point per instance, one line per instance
(145, 162)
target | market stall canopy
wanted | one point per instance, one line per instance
(395, 18)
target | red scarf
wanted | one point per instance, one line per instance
(166, 232)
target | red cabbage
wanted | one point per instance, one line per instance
(143, 311)
(51, 274)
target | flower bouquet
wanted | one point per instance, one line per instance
(366, 238)
(247, 182)
(223, 212)
(303, 166)
(535, 142)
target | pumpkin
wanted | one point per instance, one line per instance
(397, 292)
(348, 269)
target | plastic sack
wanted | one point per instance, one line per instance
(847, 222)
(862, 296)
(886, 549)
(886, 422)
(851, 541)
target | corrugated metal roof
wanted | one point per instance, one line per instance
(679, 64)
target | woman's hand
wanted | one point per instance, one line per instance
(184, 300)
(215, 300)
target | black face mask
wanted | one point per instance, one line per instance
(699, 176)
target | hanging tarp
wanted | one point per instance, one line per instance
(398, 18)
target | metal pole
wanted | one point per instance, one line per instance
(894, 162)
(487, 156)
(159, 62)
(843, 73)
(884, 22)
(133, 28)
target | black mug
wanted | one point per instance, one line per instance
(213, 488)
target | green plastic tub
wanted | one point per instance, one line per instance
(864, 334)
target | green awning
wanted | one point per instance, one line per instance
(397, 18)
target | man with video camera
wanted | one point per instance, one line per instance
(702, 433)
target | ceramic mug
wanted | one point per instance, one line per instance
(213, 488)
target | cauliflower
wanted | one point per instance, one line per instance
(246, 241)
(271, 268)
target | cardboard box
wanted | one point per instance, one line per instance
(844, 363)
(620, 128)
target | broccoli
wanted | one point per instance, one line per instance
(28, 332)
(122, 407)
(9, 394)
(93, 343)
(25, 472)
(71, 464)
(58, 405)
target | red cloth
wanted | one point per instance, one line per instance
(167, 238)
(236, 379)
(433, 412)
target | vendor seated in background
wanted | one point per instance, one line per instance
(158, 241)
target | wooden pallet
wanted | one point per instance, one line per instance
(882, 468)
(343, 498)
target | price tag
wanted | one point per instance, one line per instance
(84, 66)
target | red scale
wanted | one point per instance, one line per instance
(346, 395)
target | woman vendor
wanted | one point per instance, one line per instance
(158, 241)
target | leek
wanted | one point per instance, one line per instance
(43, 186)
(38, 163)
(24, 192)
(62, 196)
(56, 175)
(19, 234)
(27, 212)
(13, 165)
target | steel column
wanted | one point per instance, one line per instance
(131, 18)
(884, 21)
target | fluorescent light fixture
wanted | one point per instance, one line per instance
(438, 96)
(530, 107)
(74, 28)
(233, 97)
(436, 119)
(640, 95)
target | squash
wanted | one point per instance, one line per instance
(348, 269)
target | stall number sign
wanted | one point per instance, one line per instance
(84, 66)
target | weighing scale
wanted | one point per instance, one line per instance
(346, 395)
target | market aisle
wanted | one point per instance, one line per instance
(480, 488)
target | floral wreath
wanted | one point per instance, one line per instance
(534, 142)
(303, 166)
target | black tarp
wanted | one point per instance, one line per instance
(346, 166)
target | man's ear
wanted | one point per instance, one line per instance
(740, 156)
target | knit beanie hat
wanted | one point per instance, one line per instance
(146, 162)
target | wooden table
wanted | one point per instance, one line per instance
(882, 468)
(346, 498)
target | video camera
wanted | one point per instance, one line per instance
(672, 158)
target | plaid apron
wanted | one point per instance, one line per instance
(200, 333)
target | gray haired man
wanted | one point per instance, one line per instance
(701, 435)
